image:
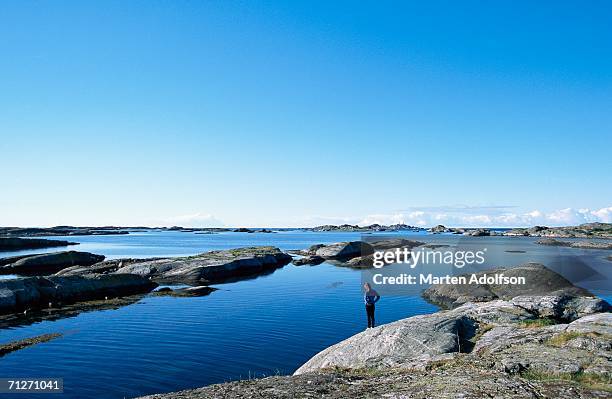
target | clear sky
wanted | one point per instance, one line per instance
(301, 113)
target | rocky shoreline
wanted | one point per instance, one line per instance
(45, 264)
(576, 244)
(83, 278)
(586, 230)
(370, 228)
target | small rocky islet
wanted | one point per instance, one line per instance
(17, 244)
(355, 254)
(585, 230)
(576, 244)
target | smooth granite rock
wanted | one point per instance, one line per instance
(356, 254)
(105, 267)
(586, 230)
(343, 250)
(576, 244)
(404, 343)
(202, 290)
(540, 281)
(210, 267)
(45, 264)
(308, 260)
(17, 244)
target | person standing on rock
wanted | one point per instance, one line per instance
(370, 298)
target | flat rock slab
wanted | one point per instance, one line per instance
(12, 259)
(585, 230)
(16, 243)
(355, 254)
(404, 343)
(185, 292)
(27, 342)
(539, 281)
(45, 264)
(105, 267)
(583, 346)
(599, 323)
(17, 295)
(576, 244)
(440, 383)
(210, 267)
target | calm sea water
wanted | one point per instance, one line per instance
(252, 328)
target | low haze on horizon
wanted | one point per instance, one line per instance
(296, 114)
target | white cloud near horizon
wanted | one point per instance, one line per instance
(193, 220)
(456, 218)
(425, 217)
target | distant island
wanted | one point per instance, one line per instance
(372, 227)
(586, 230)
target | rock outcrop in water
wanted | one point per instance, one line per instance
(355, 254)
(45, 264)
(369, 228)
(27, 342)
(17, 295)
(545, 293)
(586, 230)
(499, 348)
(244, 230)
(207, 268)
(186, 292)
(576, 244)
(18, 244)
(308, 260)
(477, 232)
(105, 267)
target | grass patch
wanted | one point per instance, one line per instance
(362, 372)
(563, 338)
(536, 323)
(24, 343)
(598, 381)
(482, 330)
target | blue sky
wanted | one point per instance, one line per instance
(302, 113)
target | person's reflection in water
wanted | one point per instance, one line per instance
(370, 298)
